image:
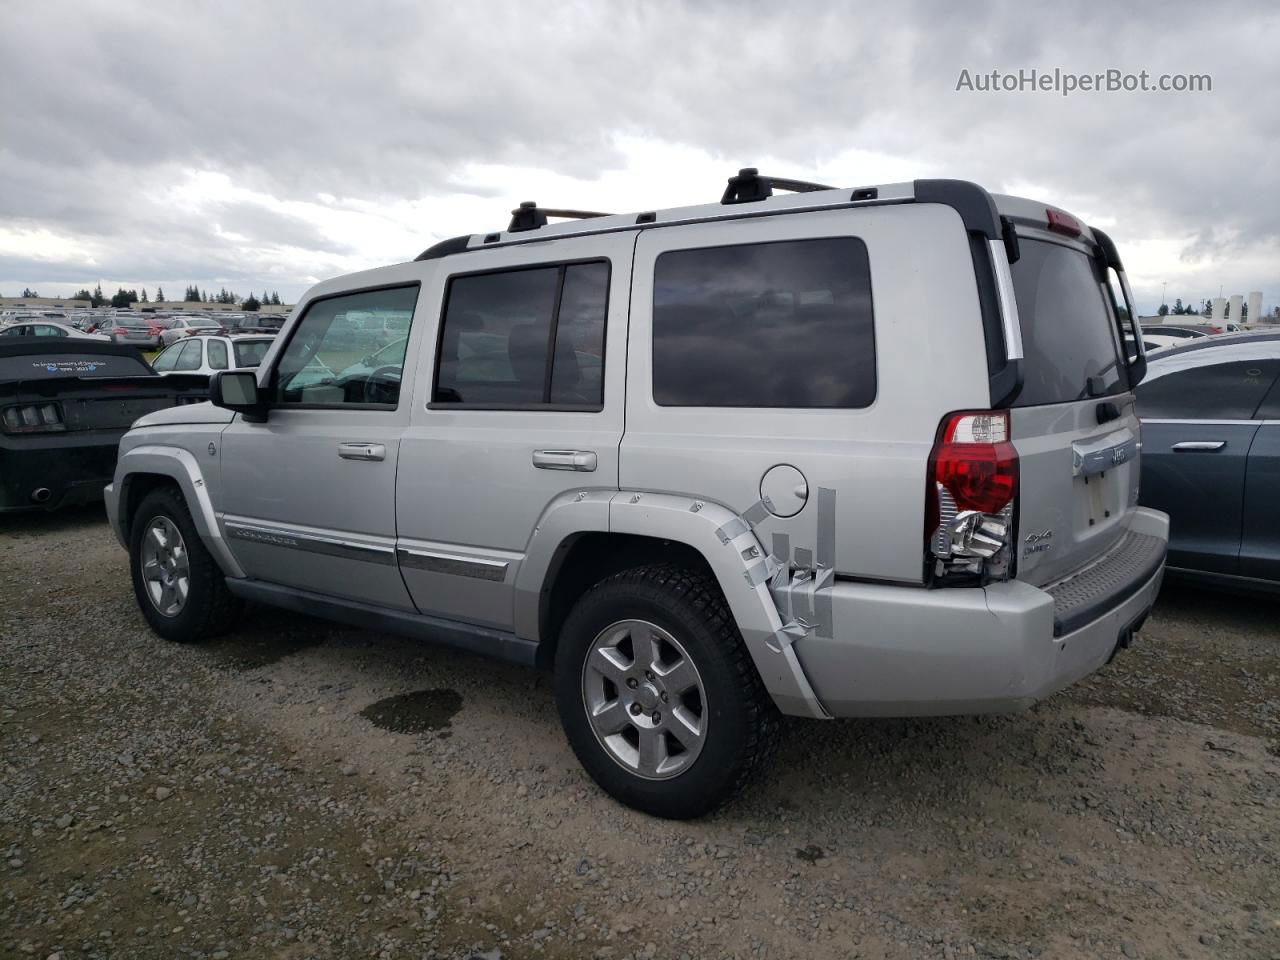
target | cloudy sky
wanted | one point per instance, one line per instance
(268, 145)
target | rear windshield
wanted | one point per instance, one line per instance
(70, 365)
(1069, 336)
(249, 353)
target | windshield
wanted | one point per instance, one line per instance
(1069, 335)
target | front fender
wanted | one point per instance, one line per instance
(181, 467)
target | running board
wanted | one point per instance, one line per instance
(496, 644)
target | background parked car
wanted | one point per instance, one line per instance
(136, 331)
(188, 327)
(252, 323)
(1210, 411)
(64, 404)
(208, 354)
(1183, 330)
(48, 328)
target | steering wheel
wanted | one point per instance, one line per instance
(378, 384)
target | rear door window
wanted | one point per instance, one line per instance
(525, 337)
(781, 324)
(249, 353)
(218, 354)
(1070, 341)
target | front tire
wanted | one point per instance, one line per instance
(178, 585)
(657, 693)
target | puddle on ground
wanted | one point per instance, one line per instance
(422, 711)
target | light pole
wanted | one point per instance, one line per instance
(1163, 287)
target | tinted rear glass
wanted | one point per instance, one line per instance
(249, 353)
(70, 365)
(1068, 331)
(783, 324)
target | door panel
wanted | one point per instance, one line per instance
(1201, 488)
(309, 496)
(1260, 543)
(286, 475)
(470, 492)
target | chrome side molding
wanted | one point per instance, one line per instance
(311, 543)
(477, 568)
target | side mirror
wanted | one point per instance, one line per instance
(238, 390)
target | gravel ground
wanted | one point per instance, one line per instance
(299, 790)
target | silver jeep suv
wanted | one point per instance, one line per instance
(833, 453)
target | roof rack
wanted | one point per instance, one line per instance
(529, 216)
(749, 186)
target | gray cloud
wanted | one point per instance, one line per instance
(105, 106)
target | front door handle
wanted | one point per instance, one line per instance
(583, 460)
(1199, 446)
(362, 451)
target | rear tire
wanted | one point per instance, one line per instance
(178, 585)
(657, 693)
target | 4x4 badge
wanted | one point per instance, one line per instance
(1038, 542)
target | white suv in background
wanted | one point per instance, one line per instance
(210, 354)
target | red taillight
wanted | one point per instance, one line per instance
(1215, 329)
(975, 461)
(120, 331)
(1060, 222)
(972, 487)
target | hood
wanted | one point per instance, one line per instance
(194, 413)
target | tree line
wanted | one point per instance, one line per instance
(193, 294)
(1179, 309)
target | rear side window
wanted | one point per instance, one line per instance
(529, 337)
(1069, 337)
(783, 324)
(1193, 387)
(249, 353)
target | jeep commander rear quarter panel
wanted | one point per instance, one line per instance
(929, 359)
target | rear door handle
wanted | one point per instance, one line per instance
(362, 451)
(583, 460)
(1202, 446)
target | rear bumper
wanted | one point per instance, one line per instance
(43, 472)
(904, 651)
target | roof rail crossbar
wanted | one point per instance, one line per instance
(530, 216)
(749, 186)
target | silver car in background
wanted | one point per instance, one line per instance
(135, 330)
(187, 327)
